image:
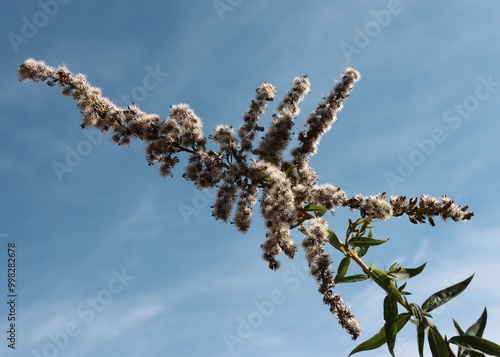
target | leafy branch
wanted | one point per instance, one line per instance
(359, 237)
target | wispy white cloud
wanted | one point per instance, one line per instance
(121, 317)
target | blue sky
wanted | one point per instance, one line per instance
(107, 264)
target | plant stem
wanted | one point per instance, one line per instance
(366, 269)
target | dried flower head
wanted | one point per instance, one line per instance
(320, 121)
(224, 137)
(278, 135)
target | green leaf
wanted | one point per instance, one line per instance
(335, 241)
(458, 328)
(372, 343)
(361, 251)
(342, 270)
(391, 324)
(287, 171)
(406, 273)
(352, 278)
(385, 282)
(436, 343)
(319, 210)
(477, 344)
(461, 351)
(379, 339)
(403, 292)
(478, 327)
(421, 327)
(365, 242)
(445, 295)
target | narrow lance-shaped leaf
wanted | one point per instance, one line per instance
(477, 329)
(352, 278)
(477, 344)
(436, 342)
(421, 328)
(391, 323)
(445, 295)
(379, 339)
(342, 270)
(406, 273)
(384, 281)
(335, 241)
(458, 328)
(319, 210)
(402, 287)
(365, 242)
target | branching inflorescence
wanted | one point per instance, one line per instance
(238, 168)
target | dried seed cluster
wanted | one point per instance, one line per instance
(239, 167)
